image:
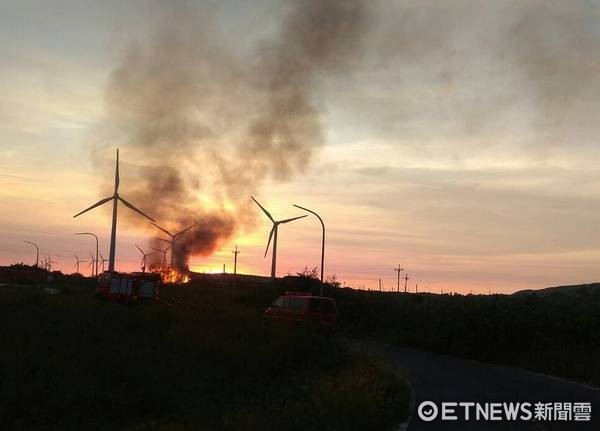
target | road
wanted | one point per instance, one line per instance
(440, 378)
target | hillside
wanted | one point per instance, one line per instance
(572, 289)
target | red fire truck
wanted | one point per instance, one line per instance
(132, 288)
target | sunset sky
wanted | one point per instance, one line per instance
(459, 138)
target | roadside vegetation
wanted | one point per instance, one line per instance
(202, 359)
(556, 333)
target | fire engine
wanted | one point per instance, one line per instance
(132, 288)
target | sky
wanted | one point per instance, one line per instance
(458, 139)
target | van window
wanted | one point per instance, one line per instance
(323, 306)
(278, 302)
(296, 304)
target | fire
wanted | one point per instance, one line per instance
(170, 275)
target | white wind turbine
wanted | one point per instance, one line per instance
(115, 198)
(144, 257)
(77, 262)
(273, 234)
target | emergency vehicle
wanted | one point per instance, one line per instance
(318, 311)
(132, 288)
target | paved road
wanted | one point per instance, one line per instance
(440, 378)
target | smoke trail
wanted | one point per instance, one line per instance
(205, 126)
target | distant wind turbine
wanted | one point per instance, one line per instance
(273, 234)
(115, 198)
(164, 253)
(91, 265)
(102, 260)
(144, 257)
(49, 263)
(174, 237)
(77, 262)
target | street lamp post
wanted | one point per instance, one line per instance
(37, 252)
(94, 235)
(322, 245)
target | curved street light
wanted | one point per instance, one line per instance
(94, 235)
(322, 244)
(37, 252)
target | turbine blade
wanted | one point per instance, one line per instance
(270, 237)
(128, 205)
(164, 230)
(101, 257)
(158, 249)
(291, 219)
(264, 210)
(141, 251)
(117, 180)
(97, 204)
(164, 240)
(185, 230)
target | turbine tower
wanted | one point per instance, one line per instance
(164, 253)
(174, 238)
(102, 261)
(115, 198)
(77, 262)
(49, 263)
(144, 257)
(91, 265)
(273, 234)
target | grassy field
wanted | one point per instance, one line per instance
(202, 359)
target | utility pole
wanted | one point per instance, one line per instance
(235, 253)
(399, 270)
(406, 277)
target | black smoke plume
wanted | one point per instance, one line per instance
(201, 125)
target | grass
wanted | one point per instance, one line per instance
(203, 359)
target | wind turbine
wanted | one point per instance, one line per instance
(273, 234)
(144, 256)
(174, 237)
(94, 262)
(49, 263)
(115, 198)
(102, 260)
(77, 262)
(91, 264)
(164, 253)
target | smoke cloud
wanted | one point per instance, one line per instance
(201, 125)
